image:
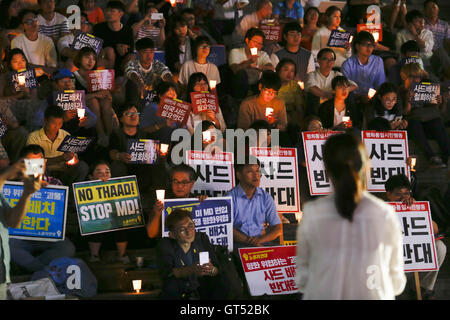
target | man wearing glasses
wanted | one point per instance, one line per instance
(38, 48)
(363, 67)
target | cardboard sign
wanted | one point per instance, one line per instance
(213, 216)
(426, 92)
(313, 143)
(100, 80)
(215, 172)
(75, 144)
(376, 29)
(388, 152)
(45, 219)
(338, 39)
(419, 250)
(203, 101)
(84, 39)
(69, 99)
(25, 77)
(174, 109)
(217, 54)
(143, 151)
(279, 176)
(272, 32)
(269, 270)
(108, 206)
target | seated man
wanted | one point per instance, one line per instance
(289, 9)
(253, 208)
(52, 24)
(257, 107)
(178, 260)
(247, 67)
(398, 189)
(49, 137)
(143, 74)
(409, 49)
(36, 255)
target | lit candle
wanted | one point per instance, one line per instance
(345, 119)
(269, 112)
(137, 284)
(371, 93)
(160, 194)
(173, 2)
(351, 39)
(72, 161)
(254, 51)
(301, 84)
(212, 84)
(81, 112)
(206, 136)
(376, 36)
(413, 162)
(298, 216)
(21, 80)
(164, 148)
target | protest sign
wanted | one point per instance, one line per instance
(45, 219)
(203, 101)
(279, 176)
(217, 55)
(143, 150)
(388, 152)
(75, 144)
(419, 250)
(272, 32)
(84, 39)
(376, 29)
(25, 77)
(108, 206)
(100, 80)
(313, 142)
(426, 92)
(411, 59)
(69, 99)
(338, 39)
(149, 97)
(174, 109)
(270, 270)
(213, 216)
(215, 172)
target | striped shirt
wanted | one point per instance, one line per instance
(440, 31)
(55, 28)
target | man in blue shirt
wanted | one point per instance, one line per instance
(364, 68)
(253, 208)
(289, 9)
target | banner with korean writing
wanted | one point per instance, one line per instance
(75, 144)
(388, 152)
(215, 172)
(25, 77)
(100, 80)
(108, 206)
(213, 216)
(419, 250)
(279, 176)
(376, 29)
(203, 101)
(69, 99)
(269, 270)
(313, 142)
(426, 92)
(84, 39)
(338, 39)
(143, 150)
(272, 32)
(45, 219)
(174, 109)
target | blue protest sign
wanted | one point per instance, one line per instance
(45, 219)
(217, 55)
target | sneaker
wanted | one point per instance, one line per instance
(436, 162)
(93, 258)
(124, 259)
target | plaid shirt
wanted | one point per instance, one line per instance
(440, 30)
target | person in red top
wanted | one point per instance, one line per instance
(94, 14)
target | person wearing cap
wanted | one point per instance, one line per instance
(144, 73)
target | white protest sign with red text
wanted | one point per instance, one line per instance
(272, 32)
(100, 80)
(419, 249)
(269, 270)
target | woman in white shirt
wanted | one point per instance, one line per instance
(349, 243)
(320, 38)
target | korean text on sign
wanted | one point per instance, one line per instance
(419, 250)
(45, 219)
(174, 109)
(143, 150)
(271, 32)
(27, 75)
(69, 99)
(75, 144)
(269, 270)
(388, 152)
(425, 92)
(203, 101)
(100, 80)
(83, 39)
(338, 39)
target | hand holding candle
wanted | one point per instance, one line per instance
(212, 84)
(164, 148)
(160, 194)
(137, 284)
(254, 51)
(301, 84)
(21, 80)
(371, 93)
(81, 112)
(206, 136)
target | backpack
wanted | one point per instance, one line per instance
(229, 272)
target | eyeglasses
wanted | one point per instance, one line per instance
(183, 183)
(183, 230)
(131, 114)
(30, 21)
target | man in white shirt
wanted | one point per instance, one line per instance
(38, 48)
